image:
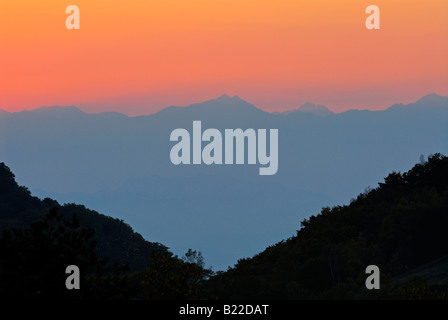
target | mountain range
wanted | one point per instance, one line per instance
(120, 166)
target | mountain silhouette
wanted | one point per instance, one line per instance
(116, 239)
(224, 110)
(430, 101)
(398, 226)
(316, 109)
(120, 165)
(3, 113)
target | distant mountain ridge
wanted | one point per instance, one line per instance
(309, 107)
(97, 160)
(432, 100)
(223, 101)
(227, 102)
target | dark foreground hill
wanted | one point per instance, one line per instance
(39, 239)
(398, 226)
(115, 239)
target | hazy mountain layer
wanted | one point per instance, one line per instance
(120, 165)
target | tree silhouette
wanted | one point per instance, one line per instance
(34, 259)
(172, 278)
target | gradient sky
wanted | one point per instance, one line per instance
(138, 56)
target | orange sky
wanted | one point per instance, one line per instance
(138, 56)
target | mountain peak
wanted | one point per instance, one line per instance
(308, 106)
(222, 107)
(224, 102)
(432, 98)
(224, 96)
(316, 109)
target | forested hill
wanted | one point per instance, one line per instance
(115, 239)
(398, 226)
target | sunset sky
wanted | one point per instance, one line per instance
(138, 56)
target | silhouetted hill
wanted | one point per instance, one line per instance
(115, 238)
(398, 226)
